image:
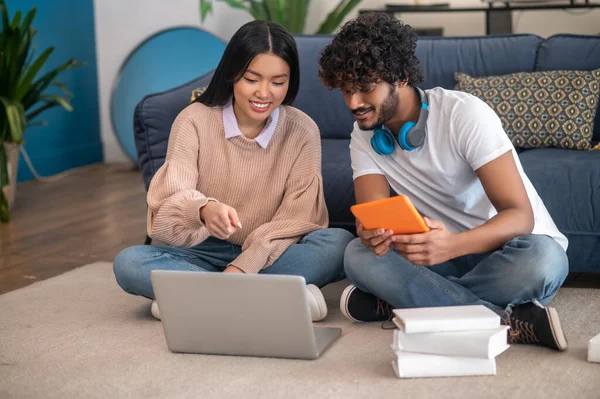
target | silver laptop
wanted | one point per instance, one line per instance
(238, 314)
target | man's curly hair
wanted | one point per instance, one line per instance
(372, 48)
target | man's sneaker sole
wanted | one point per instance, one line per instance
(557, 331)
(344, 301)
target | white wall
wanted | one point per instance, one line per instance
(122, 24)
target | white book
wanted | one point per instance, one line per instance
(446, 318)
(594, 349)
(417, 365)
(485, 344)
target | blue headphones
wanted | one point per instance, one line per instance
(411, 135)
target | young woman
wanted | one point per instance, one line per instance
(241, 189)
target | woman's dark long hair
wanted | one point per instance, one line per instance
(252, 39)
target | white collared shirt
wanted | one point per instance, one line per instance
(232, 129)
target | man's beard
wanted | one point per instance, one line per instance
(387, 110)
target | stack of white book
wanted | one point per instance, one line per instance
(447, 341)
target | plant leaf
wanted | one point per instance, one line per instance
(297, 11)
(274, 10)
(237, 4)
(53, 98)
(16, 20)
(205, 8)
(23, 51)
(62, 88)
(11, 55)
(28, 19)
(34, 92)
(285, 15)
(258, 11)
(25, 82)
(4, 214)
(3, 164)
(15, 114)
(32, 114)
(335, 18)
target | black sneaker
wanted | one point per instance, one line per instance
(532, 324)
(360, 306)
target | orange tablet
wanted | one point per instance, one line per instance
(395, 213)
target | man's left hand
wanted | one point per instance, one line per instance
(426, 249)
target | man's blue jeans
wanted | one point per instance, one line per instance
(318, 257)
(526, 269)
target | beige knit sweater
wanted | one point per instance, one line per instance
(277, 191)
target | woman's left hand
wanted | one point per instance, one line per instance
(232, 269)
(426, 249)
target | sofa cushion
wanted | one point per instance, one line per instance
(541, 109)
(576, 52)
(326, 107)
(338, 185)
(441, 57)
(569, 184)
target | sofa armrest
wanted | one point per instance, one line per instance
(152, 120)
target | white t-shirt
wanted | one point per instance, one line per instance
(462, 134)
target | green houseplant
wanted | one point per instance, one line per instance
(23, 95)
(291, 14)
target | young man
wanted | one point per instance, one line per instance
(491, 240)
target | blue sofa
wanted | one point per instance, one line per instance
(567, 180)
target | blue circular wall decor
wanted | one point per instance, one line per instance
(165, 60)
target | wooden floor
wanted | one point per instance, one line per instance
(84, 217)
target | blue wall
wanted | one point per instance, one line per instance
(70, 139)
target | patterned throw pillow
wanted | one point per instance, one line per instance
(196, 93)
(541, 109)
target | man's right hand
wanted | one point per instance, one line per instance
(377, 241)
(221, 220)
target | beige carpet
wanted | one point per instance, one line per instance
(79, 336)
